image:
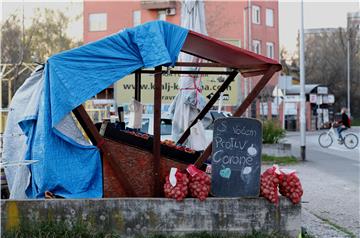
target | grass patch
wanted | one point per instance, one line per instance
(51, 229)
(268, 159)
(355, 122)
(229, 235)
(305, 234)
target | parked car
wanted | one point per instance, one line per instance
(166, 124)
(147, 125)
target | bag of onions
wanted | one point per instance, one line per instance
(269, 182)
(200, 183)
(290, 186)
(176, 185)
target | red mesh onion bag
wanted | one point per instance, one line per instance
(176, 185)
(269, 182)
(290, 186)
(200, 183)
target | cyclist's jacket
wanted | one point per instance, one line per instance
(345, 120)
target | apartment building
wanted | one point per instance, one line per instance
(252, 25)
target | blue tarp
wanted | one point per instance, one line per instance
(66, 167)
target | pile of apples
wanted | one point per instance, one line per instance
(269, 183)
(172, 144)
(290, 187)
(179, 189)
(194, 182)
(286, 181)
(137, 134)
(200, 183)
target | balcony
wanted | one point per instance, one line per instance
(159, 4)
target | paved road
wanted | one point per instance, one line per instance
(331, 180)
(336, 160)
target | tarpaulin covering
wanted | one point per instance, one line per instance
(67, 167)
(24, 104)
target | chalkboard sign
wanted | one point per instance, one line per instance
(236, 157)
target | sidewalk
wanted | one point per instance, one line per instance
(330, 179)
(319, 207)
(329, 198)
(318, 228)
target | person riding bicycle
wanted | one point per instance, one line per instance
(344, 124)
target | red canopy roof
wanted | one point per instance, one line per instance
(249, 63)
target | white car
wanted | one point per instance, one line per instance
(166, 125)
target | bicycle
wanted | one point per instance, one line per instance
(326, 139)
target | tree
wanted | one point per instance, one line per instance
(11, 40)
(44, 37)
(289, 63)
(325, 63)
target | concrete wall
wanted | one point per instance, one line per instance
(146, 216)
(279, 149)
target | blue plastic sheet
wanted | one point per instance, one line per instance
(66, 167)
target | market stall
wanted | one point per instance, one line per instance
(118, 163)
(140, 170)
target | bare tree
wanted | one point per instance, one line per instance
(43, 38)
(326, 63)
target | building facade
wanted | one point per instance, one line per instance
(254, 22)
(252, 25)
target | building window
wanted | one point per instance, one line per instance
(162, 15)
(270, 50)
(137, 17)
(257, 46)
(269, 17)
(98, 22)
(256, 14)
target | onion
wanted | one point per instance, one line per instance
(269, 185)
(199, 185)
(180, 190)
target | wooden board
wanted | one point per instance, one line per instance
(236, 157)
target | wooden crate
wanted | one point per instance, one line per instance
(137, 166)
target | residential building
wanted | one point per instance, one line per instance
(225, 20)
(354, 19)
(252, 25)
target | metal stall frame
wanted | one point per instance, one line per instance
(221, 54)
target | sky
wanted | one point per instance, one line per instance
(317, 14)
(70, 7)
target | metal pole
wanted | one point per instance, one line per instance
(302, 87)
(250, 89)
(138, 85)
(284, 105)
(10, 86)
(246, 94)
(249, 24)
(348, 76)
(1, 109)
(249, 80)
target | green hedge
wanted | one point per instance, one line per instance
(272, 132)
(355, 122)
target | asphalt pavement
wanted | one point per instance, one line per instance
(331, 179)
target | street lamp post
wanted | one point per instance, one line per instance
(302, 87)
(348, 75)
(284, 105)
